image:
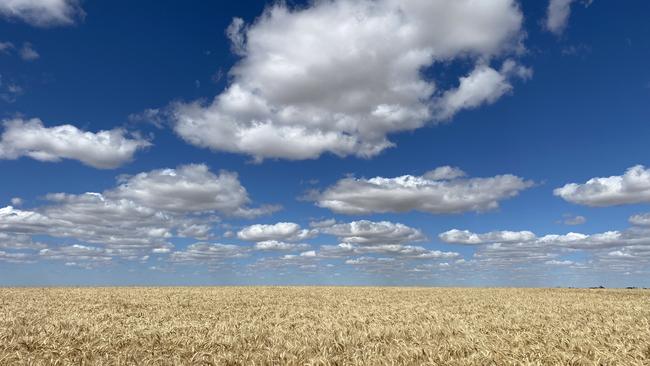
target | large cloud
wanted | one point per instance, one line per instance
(373, 233)
(631, 187)
(103, 149)
(408, 192)
(339, 76)
(42, 13)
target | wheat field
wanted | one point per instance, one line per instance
(323, 326)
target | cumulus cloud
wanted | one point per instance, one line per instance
(18, 242)
(357, 196)
(189, 188)
(373, 233)
(103, 149)
(456, 236)
(518, 248)
(631, 187)
(340, 76)
(274, 245)
(640, 219)
(128, 221)
(287, 231)
(208, 253)
(42, 13)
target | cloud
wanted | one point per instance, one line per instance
(28, 53)
(269, 245)
(358, 196)
(6, 47)
(287, 231)
(340, 76)
(136, 218)
(606, 249)
(483, 85)
(102, 150)
(631, 187)
(189, 188)
(72, 254)
(372, 233)
(557, 15)
(42, 13)
(18, 242)
(640, 219)
(574, 220)
(456, 236)
(17, 201)
(208, 253)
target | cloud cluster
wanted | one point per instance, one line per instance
(610, 248)
(357, 196)
(366, 232)
(141, 215)
(340, 76)
(42, 13)
(631, 187)
(103, 149)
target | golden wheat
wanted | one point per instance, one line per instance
(323, 326)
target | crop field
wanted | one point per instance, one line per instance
(323, 326)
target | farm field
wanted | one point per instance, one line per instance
(323, 326)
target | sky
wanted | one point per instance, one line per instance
(332, 142)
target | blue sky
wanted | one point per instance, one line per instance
(335, 142)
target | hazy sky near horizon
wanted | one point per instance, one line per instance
(343, 142)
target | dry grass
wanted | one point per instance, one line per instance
(319, 326)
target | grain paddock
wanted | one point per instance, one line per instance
(323, 326)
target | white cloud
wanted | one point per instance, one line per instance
(28, 53)
(483, 85)
(208, 253)
(631, 187)
(640, 219)
(18, 242)
(74, 253)
(374, 233)
(129, 222)
(495, 249)
(103, 149)
(340, 76)
(557, 15)
(466, 237)
(574, 220)
(405, 193)
(288, 231)
(269, 245)
(189, 188)
(42, 13)
(17, 201)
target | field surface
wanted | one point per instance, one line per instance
(323, 326)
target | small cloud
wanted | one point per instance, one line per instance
(573, 220)
(17, 201)
(28, 53)
(6, 47)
